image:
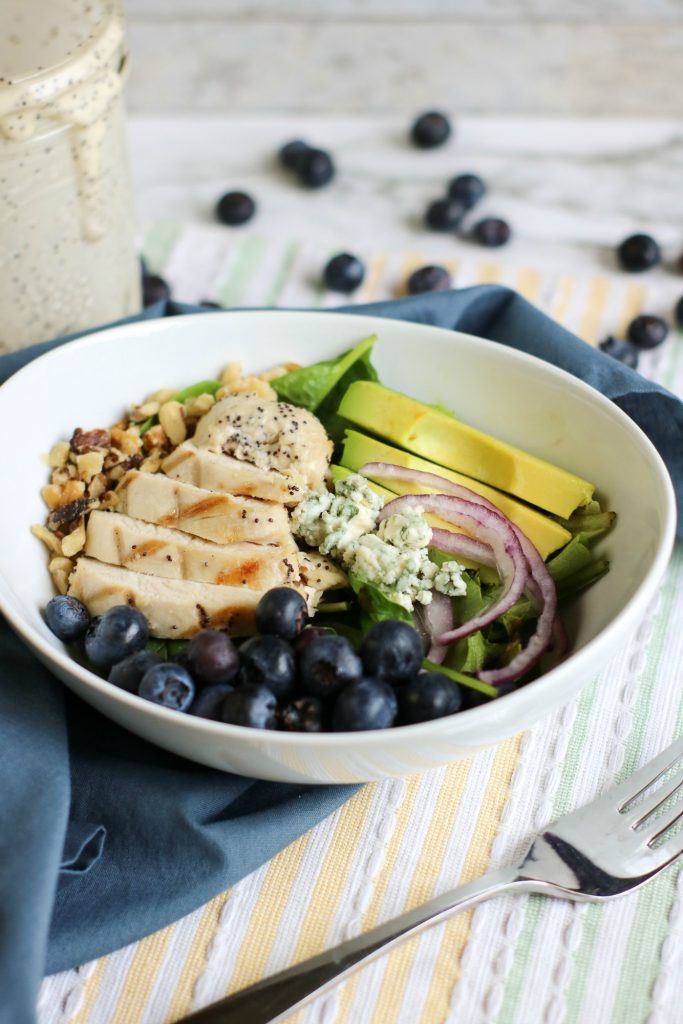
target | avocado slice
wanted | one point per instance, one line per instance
(444, 440)
(545, 533)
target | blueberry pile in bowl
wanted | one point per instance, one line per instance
(289, 676)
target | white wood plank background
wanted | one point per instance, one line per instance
(560, 57)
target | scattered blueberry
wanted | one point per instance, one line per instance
(327, 665)
(235, 208)
(624, 351)
(430, 130)
(268, 660)
(678, 312)
(445, 214)
(121, 631)
(168, 684)
(647, 331)
(291, 154)
(468, 188)
(128, 672)
(252, 705)
(305, 714)
(429, 279)
(154, 289)
(209, 702)
(429, 695)
(315, 168)
(282, 612)
(392, 650)
(210, 304)
(344, 273)
(67, 617)
(638, 252)
(211, 657)
(492, 232)
(365, 704)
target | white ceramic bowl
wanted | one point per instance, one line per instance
(527, 402)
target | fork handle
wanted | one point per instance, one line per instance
(275, 998)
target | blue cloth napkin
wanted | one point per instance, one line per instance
(105, 838)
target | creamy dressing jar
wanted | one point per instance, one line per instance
(67, 249)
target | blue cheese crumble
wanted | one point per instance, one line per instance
(393, 556)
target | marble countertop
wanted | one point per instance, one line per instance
(571, 189)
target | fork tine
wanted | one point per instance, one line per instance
(645, 776)
(671, 849)
(644, 808)
(664, 826)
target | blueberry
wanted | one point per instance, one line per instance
(235, 208)
(365, 704)
(209, 702)
(127, 673)
(638, 252)
(430, 130)
(168, 684)
(344, 273)
(211, 657)
(429, 279)
(305, 714)
(281, 611)
(429, 695)
(154, 289)
(291, 154)
(210, 304)
(316, 168)
(268, 661)
(67, 617)
(624, 351)
(678, 312)
(492, 232)
(111, 637)
(252, 705)
(647, 331)
(468, 188)
(328, 664)
(445, 214)
(392, 650)
(307, 636)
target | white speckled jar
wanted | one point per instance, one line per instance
(67, 250)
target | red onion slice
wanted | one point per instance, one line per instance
(492, 529)
(540, 584)
(438, 618)
(461, 544)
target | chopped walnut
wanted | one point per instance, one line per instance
(74, 541)
(89, 465)
(60, 570)
(127, 441)
(49, 539)
(155, 437)
(231, 373)
(59, 453)
(198, 406)
(83, 441)
(172, 419)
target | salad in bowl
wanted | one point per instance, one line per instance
(383, 549)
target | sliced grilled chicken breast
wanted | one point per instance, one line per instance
(222, 518)
(157, 551)
(319, 572)
(272, 436)
(218, 472)
(174, 609)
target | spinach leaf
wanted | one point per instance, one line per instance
(375, 605)
(158, 646)
(310, 385)
(204, 387)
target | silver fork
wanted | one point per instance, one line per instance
(600, 851)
